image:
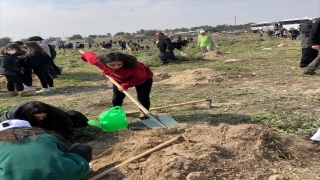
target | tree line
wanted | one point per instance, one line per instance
(141, 32)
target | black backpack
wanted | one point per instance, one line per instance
(52, 51)
(305, 28)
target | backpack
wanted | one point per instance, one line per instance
(177, 45)
(305, 28)
(52, 51)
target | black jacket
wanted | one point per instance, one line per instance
(38, 60)
(314, 35)
(9, 65)
(21, 57)
(305, 28)
(165, 43)
(59, 121)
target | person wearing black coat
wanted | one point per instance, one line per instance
(43, 115)
(314, 39)
(166, 49)
(26, 76)
(39, 61)
(308, 54)
(10, 68)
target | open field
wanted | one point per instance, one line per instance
(263, 113)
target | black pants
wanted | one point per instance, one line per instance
(78, 119)
(51, 71)
(164, 56)
(55, 67)
(44, 76)
(25, 80)
(143, 94)
(26, 77)
(294, 37)
(308, 55)
(83, 150)
(14, 83)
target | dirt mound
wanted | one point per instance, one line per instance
(211, 54)
(222, 152)
(3, 82)
(190, 77)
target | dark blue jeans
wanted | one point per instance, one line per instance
(164, 56)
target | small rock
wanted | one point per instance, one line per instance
(120, 176)
(142, 159)
(133, 166)
(273, 170)
(177, 175)
(277, 177)
(196, 176)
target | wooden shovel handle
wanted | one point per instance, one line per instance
(173, 105)
(143, 109)
(137, 157)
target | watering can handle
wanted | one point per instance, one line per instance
(143, 109)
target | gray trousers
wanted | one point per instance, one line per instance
(314, 64)
(207, 48)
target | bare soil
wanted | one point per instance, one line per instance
(222, 152)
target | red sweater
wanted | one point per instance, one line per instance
(126, 77)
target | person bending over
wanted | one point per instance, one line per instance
(40, 114)
(32, 153)
(127, 71)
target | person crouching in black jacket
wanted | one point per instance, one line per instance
(166, 49)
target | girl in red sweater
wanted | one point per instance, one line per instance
(127, 71)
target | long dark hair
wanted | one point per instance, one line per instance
(128, 60)
(19, 134)
(33, 48)
(36, 107)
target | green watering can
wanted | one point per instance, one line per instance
(112, 120)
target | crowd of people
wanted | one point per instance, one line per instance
(308, 33)
(18, 60)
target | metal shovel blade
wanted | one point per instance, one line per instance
(160, 121)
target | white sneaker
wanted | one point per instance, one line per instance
(43, 90)
(30, 88)
(52, 88)
(90, 166)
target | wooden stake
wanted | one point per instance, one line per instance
(137, 157)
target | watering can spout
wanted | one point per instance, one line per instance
(112, 120)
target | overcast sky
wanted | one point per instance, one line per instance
(64, 18)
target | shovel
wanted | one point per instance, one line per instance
(152, 121)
